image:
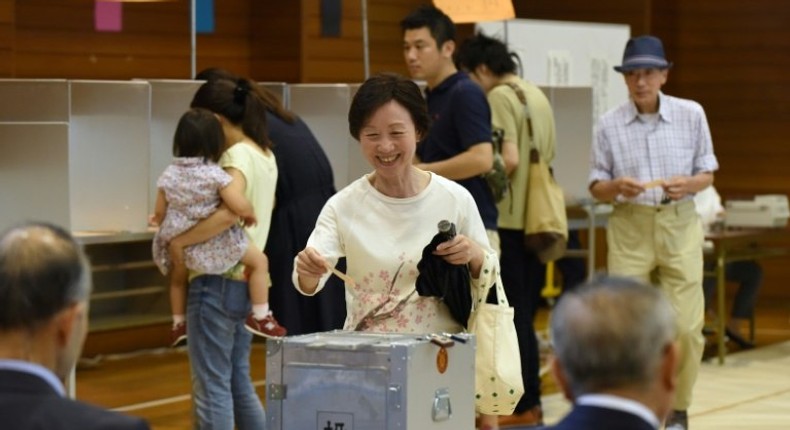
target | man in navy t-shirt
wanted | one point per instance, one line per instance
(458, 145)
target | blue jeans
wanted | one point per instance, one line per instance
(219, 356)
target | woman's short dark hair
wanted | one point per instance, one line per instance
(199, 134)
(379, 90)
(481, 49)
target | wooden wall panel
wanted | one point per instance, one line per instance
(7, 38)
(734, 61)
(56, 39)
(266, 40)
(332, 59)
(276, 41)
(7, 11)
(342, 59)
(635, 13)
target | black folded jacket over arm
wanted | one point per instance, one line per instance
(438, 278)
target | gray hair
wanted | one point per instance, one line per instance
(43, 270)
(611, 333)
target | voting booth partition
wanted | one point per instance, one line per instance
(73, 153)
(86, 155)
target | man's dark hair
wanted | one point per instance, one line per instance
(481, 49)
(42, 271)
(438, 23)
(379, 90)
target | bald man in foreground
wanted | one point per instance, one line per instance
(44, 289)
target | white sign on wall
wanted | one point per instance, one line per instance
(564, 53)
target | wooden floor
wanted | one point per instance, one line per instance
(154, 383)
(751, 391)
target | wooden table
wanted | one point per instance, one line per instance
(737, 244)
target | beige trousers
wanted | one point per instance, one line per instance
(667, 242)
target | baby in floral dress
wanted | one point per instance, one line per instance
(191, 189)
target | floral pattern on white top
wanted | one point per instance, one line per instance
(382, 239)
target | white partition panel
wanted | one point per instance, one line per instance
(169, 100)
(357, 164)
(280, 89)
(324, 107)
(573, 116)
(26, 100)
(108, 149)
(34, 173)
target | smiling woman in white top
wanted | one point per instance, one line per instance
(382, 221)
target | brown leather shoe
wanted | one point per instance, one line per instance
(532, 417)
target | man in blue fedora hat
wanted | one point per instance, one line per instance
(643, 52)
(649, 157)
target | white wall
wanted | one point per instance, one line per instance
(564, 53)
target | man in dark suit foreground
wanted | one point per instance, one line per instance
(615, 355)
(44, 289)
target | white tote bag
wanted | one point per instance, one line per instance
(498, 385)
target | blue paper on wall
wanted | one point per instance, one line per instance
(331, 17)
(204, 16)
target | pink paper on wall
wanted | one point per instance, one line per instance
(108, 16)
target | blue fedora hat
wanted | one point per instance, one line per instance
(643, 52)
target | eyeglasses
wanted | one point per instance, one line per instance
(643, 73)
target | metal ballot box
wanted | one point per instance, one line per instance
(344, 380)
